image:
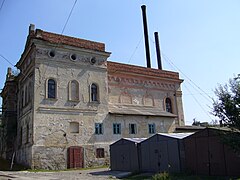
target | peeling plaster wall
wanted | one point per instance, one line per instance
(137, 90)
(52, 135)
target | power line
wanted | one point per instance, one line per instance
(204, 94)
(198, 103)
(65, 25)
(69, 17)
(139, 42)
(55, 46)
(6, 60)
(2, 5)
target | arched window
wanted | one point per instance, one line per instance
(74, 90)
(168, 104)
(94, 92)
(51, 89)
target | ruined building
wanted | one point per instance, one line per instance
(68, 103)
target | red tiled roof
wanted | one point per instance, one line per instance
(67, 40)
(114, 67)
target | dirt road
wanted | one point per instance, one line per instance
(93, 174)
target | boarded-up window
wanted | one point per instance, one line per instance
(74, 91)
(126, 99)
(100, 153)
(148, 101)
(74, 127)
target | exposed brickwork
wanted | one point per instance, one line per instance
(67, 40)
(114, 67)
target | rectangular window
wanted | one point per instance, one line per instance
(151, 129)
(132, 129)
(74, 127)
(98, 128)
(100, 153)
(116, 128)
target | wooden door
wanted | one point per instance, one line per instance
(75, 157)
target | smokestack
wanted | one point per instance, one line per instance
(146, 36)
(159, 61)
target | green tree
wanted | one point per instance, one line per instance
(227, 109)
(227, 105)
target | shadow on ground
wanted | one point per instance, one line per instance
(117, 174)
(5, 165)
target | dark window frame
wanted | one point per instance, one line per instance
(98, 128)
(151, 128)
(116, 128)
(94, 92)
(132, 128)
(100, 153)
(168, 105)
(52, 89)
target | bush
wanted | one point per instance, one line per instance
(161, 176)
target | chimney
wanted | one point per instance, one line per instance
(31, 28)
(159, 61)
(9, 72)
(146, 36)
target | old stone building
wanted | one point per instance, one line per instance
(71, 102)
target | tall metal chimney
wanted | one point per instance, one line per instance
(159, 61)
(146, 36)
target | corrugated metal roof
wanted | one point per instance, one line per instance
(176, 135)
(136, 140)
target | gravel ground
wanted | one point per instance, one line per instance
(93, 174)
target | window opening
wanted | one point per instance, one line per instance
(116, 128)
(94, 92)
(168, 105)
(132, 129)
(51, 89)
(98, 128)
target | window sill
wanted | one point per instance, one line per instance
(51, 99)
(74, 101)
(94, 102)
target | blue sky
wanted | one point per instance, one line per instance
(199, 38)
